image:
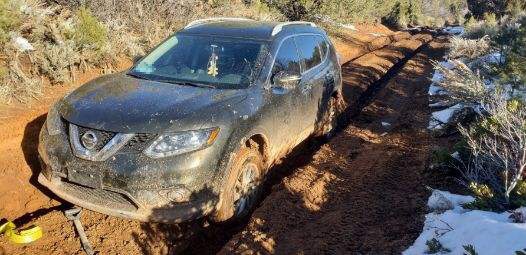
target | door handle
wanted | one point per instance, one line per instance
(329, 78)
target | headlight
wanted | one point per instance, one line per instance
(53, 122)
(177, 143)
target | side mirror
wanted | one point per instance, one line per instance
(285, 81)
(137, 58)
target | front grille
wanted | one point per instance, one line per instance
(139, 142)
(99, 197)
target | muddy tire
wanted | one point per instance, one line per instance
(243, 187)
(329, 120)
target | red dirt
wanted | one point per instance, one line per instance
(309, 198)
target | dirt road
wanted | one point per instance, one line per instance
(361, 192)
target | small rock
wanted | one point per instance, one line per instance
(439, 203)
(519, 215)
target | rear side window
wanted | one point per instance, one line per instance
(313, 50)
(287, 58)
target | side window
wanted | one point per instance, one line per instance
(324, 47)
(287, 58)
(313, 49)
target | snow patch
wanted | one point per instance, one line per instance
(458, 30)
(349, 26)
(492, 58)
(22, 44)
(386, 124)
(438, 77)
(439, 118)
(329, 20)
(435, 90)
(489, 233)
(439, 198)
(439, 104)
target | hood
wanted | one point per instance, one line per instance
(121, 103)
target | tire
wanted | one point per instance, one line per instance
(243, 187)
(329, 120)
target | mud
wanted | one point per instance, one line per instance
(361, 192)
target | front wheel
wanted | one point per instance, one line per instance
(243, 186)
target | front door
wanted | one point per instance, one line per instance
(287, 103)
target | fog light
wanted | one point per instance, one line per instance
(163, 198)
(177, 195)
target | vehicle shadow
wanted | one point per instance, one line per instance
(29, 146)
(200, 236)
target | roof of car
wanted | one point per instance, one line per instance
(260, 30)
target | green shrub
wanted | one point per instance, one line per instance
(57, 60)
(515, 8)
(9, 20)
(89, 32)
(486, 27)
(511, 40)
(499, 7)
(434, 246)
(480, 7)
(470, 22)
(441, 156)
(485, 198)
(410, 12)
(470, 250)
(488, 200)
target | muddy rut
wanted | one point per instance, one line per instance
(361, 192)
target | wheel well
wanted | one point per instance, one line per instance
(336, 94)
(260, 142)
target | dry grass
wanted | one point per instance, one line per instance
(469, 49)
(461, 84)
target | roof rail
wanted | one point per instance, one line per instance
(208, 20)
(280, 26)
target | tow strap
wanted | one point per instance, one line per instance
(73, 215)
(23, 236)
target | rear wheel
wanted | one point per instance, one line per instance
(329, 121)
(242, 189)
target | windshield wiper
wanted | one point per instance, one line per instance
(186, 83)
(196, 84)
(137, 76)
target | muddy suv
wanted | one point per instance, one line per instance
(192, 128)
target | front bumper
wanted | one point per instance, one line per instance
(129, 185)
(116, 204)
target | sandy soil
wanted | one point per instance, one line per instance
(317, 199)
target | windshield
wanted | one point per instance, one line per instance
(203, 61)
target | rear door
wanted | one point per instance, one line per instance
(315, 74)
